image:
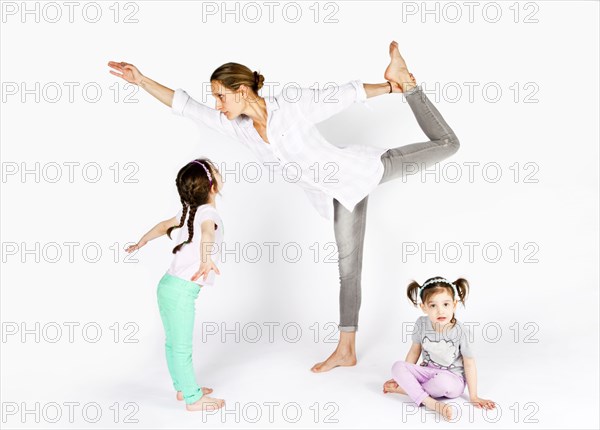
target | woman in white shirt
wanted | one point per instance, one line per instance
(281, 129)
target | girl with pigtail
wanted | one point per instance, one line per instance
(192, 267)
(448, 363)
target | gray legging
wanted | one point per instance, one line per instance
(349, 226)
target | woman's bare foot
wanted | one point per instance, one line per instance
(392, 386)
(204, 391)
(206, 404)
(335, 359)
(441, 408)
(344, 354)
(397, 71)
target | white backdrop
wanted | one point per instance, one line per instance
(84, 172)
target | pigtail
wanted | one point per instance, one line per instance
(194, 181)
(412, 292)
(462, 287)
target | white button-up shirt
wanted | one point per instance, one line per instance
(323, 170)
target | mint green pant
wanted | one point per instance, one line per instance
(176, 302)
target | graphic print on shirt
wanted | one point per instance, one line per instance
(442, 353)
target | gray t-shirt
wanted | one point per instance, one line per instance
(446, 349)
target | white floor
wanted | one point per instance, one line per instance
(269, 385)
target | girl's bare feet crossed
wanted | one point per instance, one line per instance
(397, 72)
(444, 409)
(206, 404)
(204, 391)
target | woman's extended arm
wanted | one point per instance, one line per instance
(374, 90)
(159, 91)
(178, 100)
(132, 75)
(320, 104)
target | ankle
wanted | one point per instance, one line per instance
(409, 88)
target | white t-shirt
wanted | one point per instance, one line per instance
(187, 260)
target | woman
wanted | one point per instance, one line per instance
(281, 130)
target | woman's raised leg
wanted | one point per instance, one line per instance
(442, 139)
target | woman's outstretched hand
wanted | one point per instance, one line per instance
(126, 71)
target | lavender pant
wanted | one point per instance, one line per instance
(420, 382)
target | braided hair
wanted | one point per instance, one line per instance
(194, 186)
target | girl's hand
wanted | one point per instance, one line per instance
(478, 402)
(205, 268)
(126, 71)
(135, 247)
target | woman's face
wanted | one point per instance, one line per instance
(227, 101)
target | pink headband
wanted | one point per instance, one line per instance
(207, 172)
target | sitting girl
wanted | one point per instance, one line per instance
(448, 363)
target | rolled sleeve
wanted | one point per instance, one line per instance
(180, 99)
(361, 93)
(320, 104)
(186, 106)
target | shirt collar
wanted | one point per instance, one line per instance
(272, 105)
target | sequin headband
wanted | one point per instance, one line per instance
(207, 171)
(435, 281)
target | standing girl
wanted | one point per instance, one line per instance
(281, 130)
(446, 347)
(197, 182)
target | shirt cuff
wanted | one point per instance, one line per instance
(361, 94)
(180, 99)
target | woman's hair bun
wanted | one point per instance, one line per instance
(258, 80)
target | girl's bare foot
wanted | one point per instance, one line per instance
(397, 71)
(392, 386)
(206, 404)
(441, 408)
(204, 391)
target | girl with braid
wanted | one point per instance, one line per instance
(197, 182)
(448, 361)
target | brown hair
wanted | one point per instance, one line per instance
(193, 187)
(436, 287)
(232, 75)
